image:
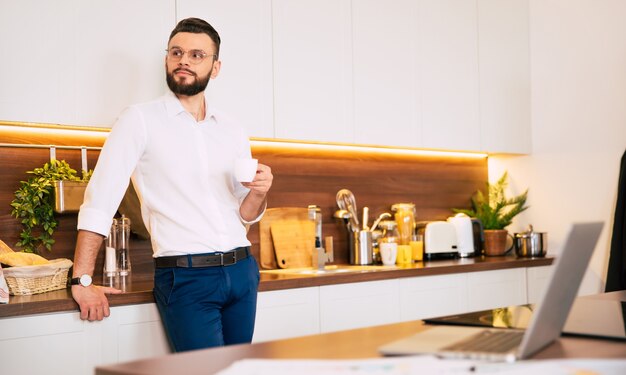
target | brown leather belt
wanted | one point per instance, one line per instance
(203, 260)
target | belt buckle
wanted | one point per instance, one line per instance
(234, 260)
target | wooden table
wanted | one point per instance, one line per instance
(357, 344)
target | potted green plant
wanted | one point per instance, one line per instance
(33, 204)
(496, 212)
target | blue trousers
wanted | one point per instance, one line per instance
(209, 306)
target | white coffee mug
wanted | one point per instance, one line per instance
(388, 253)
(245, 169)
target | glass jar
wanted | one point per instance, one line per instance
(109, 272)
(123, 251)
(404, 214)
(388, 242)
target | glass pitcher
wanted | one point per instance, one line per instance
(404, 215)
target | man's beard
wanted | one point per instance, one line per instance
(188, 89)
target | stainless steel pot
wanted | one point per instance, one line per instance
(531, 244)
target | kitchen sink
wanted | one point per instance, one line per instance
(331, 269)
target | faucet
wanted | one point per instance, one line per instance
(320, 255)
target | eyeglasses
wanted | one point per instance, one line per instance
(196, 56)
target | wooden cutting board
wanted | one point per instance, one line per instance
(267, 255)
(294, 241)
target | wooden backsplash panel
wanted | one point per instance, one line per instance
(301, 177)
(434, 184)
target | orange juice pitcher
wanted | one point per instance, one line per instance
(404, 214)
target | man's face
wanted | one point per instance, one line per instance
(183, 76)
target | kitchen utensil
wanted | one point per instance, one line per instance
(345, 216)
(384, 215)
(345, 200)
(439, 240)
(342, 214)
(366, 212)
(267, 255)
(294, 242)
(531, 244)
(465, 229)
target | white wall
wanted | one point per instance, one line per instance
(578, 101)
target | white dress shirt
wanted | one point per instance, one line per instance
(182, 171)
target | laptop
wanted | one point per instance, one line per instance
(599, 316)
(510, 345)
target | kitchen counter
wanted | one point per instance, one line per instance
(139, 291)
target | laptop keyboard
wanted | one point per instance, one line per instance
(489, 341)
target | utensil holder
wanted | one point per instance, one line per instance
(361, 247)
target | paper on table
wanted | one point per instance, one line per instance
(376, 366)
(423, 365)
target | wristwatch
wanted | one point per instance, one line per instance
(84, 280)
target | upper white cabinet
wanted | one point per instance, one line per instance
(442, 74)
(84, 62)
(243, 88)
(504, 64)
(449, 74)
(387, 102)
(312, 70)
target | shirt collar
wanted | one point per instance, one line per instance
(175, 108)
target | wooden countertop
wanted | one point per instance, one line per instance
(353, 344)
(139, 291)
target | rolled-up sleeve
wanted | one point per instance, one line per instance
(116, 163)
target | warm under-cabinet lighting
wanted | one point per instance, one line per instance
(94, 133)
(381, 150)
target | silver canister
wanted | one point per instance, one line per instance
(361, 247)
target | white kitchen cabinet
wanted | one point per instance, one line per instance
(61, 343)
(499, 288)
(432, 296)
(504, 64)
(386, 96)
(347, 306)
(444, 74)
(136, 333)
(537, 280)
(58, 343)
(243, 88)
(312, 70)
(287, 313)
(92, 60)
(448, 74)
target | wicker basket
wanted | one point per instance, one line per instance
(27, 280)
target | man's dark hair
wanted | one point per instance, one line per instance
(198, 26)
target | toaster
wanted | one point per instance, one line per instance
(440, 240)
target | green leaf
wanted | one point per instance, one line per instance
(33, 206)
(494, 209)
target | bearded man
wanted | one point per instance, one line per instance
(179, 153)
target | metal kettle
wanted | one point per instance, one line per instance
(469, 234)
